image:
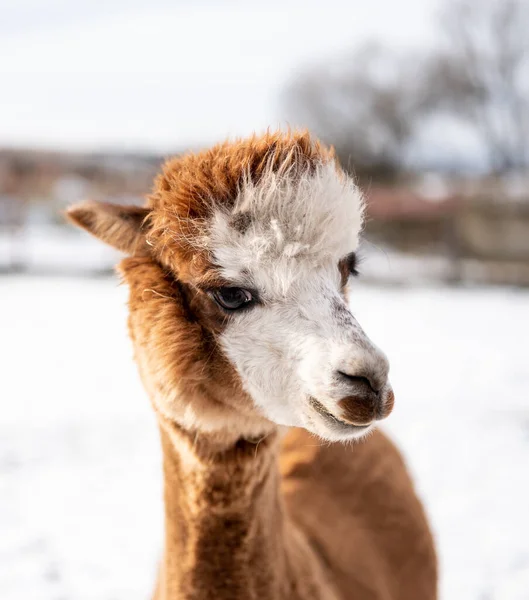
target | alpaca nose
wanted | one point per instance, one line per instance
(372, 372)
(369, 398)
(366, 379)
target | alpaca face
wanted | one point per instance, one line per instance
(240, 265)
(285, 252)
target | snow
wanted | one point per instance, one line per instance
(55, 249)
(80, 482)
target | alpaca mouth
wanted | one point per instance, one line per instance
(334, 421)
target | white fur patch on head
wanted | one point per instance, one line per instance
(287, 221)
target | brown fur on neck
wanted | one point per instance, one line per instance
(227, 535)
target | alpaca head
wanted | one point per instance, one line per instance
(242, 263)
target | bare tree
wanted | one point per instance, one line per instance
(482, 75)
(365, 105)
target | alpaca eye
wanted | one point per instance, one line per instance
(351, 261)
(232, 298)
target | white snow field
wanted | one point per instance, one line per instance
(80, 481)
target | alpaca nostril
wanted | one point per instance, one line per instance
(359, 380)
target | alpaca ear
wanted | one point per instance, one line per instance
(119, 226)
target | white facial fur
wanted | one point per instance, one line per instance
(288, 348)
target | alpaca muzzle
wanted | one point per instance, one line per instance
(366, 404)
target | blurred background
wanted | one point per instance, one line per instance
(426, 103)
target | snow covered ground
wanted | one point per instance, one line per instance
(80, 485)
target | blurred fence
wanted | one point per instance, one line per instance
(483, 238)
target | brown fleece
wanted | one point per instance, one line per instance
(249, 515)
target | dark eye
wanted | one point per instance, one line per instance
(351, 260)
(232, 298)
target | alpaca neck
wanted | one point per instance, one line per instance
(226, 533)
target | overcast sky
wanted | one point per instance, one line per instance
(162, 74)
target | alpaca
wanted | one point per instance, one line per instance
(239, 267)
